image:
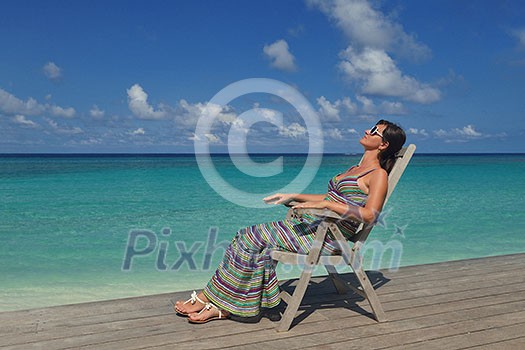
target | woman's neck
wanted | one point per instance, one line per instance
(370, 159)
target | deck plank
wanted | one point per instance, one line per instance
(474, 303)
(508, 344)
(137, 319)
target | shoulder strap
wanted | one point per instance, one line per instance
(366, 172)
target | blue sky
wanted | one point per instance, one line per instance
(135, 76)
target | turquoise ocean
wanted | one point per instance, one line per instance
(77, 228)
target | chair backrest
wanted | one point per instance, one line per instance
(402, 159)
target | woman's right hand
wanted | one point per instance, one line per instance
(279, 198)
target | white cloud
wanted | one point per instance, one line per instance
(331, 112)
(63, 129)
(138, 104)
(379, 75)
(367, 105)
(213, 138)
(52, 71)
(139, 131)
(73, 130)
(96, 112)
(280, 55)
(440, 133)
(368, 27)
(334, 134)
(243, 123)
(10, 104)
(373, 38)
(414, 131)
(188, 114)
(23, 121)
(62, 112)
(293, 130)
(468, 131)
(348, 105)
(392, 108)
(91, 141)
(464, 134)
(269, 115)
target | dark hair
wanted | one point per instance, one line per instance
(395, 136)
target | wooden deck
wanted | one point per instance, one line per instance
(467, 304)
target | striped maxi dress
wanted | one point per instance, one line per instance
(245, 280)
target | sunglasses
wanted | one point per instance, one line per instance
(375, 131)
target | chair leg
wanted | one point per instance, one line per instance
(371, 295)
(308, 266)
(295, 300)
(355, 260)
(339, 284)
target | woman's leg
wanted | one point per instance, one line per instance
(245, 280)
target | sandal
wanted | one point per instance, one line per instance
(193, 299)
(208, 307)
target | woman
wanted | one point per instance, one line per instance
(245, 280)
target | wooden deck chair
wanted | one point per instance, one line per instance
(350, 253)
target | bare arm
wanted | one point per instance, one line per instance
(283, 198)
(378, 186)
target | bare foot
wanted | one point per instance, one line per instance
(209, 313)
(194, 304)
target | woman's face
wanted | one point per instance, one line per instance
(373, 137)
